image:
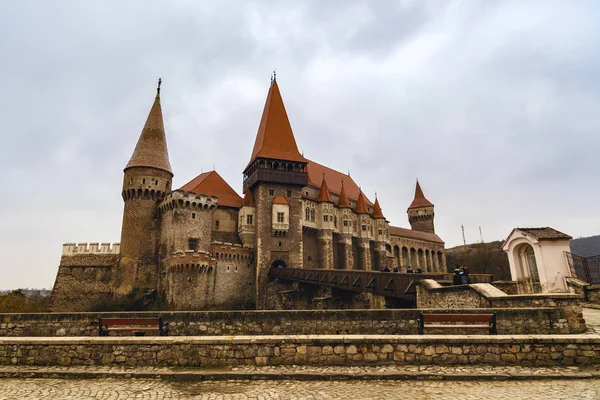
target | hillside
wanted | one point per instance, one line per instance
(481, 258)
(588, 246)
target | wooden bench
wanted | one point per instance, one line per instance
(458, 321)
(139, 326)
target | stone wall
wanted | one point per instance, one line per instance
(83, 281)
(301, 350)
(195, 323)
(508, 287)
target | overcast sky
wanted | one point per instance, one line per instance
(493, 105)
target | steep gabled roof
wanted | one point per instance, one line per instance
(248, 199)
(280, 200)
(275, 138)
(324, 194)
(334, 179)
(343, 199)
(212, 184)
(377, 213)
(151, 148)
(419, 200)
(361, 206)
(545, 233)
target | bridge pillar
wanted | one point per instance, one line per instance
(365, 254)
(381, 256)
(347, 258)
(325, 249)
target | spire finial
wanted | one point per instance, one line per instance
(274, 75)
(376, 194)
(158, 87)
(323, 175)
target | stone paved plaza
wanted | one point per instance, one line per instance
(159, 389)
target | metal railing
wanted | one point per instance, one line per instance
(585, 268)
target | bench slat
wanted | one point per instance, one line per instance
(139, 328)
(129, 321)
(467, 326)
(458, 317)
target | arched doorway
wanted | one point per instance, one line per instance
(528, 266)
(278, 264)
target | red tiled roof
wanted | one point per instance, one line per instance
(419, 200)
(377, 213)
(324, 194)
(248, 199)
(275, 138)
(212, 184)
(334, 179)
(361, 207)
(343, 199)
(280, 200)
(409, 233)
(151, 148)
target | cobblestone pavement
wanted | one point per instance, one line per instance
(267, 390)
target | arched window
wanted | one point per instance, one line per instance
(307, 214)
(312, 215)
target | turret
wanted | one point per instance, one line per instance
(147, 179)
(420, 212)
(247, 223)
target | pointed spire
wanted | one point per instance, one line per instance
(361, 204)
(151, 149)
(248, 199)
(419, 200)
(343, 199)
(324, 194)
(377, 213)
(275, 138)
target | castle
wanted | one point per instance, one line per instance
(203, 246)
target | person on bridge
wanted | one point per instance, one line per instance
(466, 279)
(419, 270)
(409, 270)
(396, 269)
(457, 278)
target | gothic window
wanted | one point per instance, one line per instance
(364, 228)
(345, 222)
(249, 219)
(335, 221)
(307, 214)
(193, 244)
(144, 181)
(312, 215)
(280, 217)
(380, 231)
(271, 192)
(325, 217)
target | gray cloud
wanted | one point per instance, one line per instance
(493, 105)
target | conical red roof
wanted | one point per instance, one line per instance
(343, 199)
(324, 194)
(151, 149)
(275, 138)
(377, 213)
(419, 200)
(361, 205)
(212, 184)
(248, 199)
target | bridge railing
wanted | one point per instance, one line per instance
(389, 284)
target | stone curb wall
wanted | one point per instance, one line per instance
(542, 350)
(540, 320)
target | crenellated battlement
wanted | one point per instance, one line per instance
(230, 252)
(190, 260)
(181, 199)
(72, 249)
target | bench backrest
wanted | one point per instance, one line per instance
(129, 321)
(458, 318)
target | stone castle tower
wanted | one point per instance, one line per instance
(147, 179)
(420, 212)
(275, 177)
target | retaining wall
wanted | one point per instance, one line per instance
(539, 320)
(302, 350)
